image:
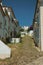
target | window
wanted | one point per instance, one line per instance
(0, 24)
(5, 22)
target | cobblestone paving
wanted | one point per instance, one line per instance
(24, 53)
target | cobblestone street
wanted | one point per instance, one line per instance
(24, 53)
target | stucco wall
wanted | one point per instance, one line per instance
(41, 25)
(1, 25)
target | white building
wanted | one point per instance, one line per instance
(25, 28)
(5, 51)
(8, 22)
(38, 24)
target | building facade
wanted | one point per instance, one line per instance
(8, 22)
(38, 24)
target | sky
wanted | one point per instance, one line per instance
(23, 10)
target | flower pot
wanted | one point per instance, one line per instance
(17, 40)
(12, 40)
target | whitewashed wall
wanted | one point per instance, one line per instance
(41, 25)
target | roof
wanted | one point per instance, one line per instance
(40, 0)
(9, 9)
(5, 12)
(0, 1)
(37, 4)
(2, 11)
